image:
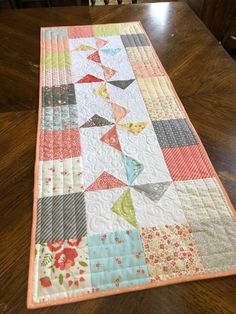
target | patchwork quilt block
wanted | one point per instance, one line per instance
(125, 195)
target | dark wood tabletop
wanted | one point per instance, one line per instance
(204, 77)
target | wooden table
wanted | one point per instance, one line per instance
(205, 79)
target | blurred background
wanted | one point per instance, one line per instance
(218, 15)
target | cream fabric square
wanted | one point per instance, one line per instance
(159, 99)
(57, 177)
(216, 242)
(202, 199)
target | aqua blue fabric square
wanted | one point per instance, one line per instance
(59, 118)
(117, 260)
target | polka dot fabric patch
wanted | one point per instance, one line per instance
(125, 196)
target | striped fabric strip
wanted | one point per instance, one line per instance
(187, 163)
(61, 217)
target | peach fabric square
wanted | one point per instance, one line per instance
(80, 31)
(187, 162)
(59, 144)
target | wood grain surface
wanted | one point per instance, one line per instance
(204, 77)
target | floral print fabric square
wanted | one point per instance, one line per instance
(171, 252)
(117, 260)
(60, 118)
(63, 268)
(57, 177)
(59, 95)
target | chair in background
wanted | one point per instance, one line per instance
(106, 2)
(19, 4)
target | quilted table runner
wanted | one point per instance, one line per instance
(125, 196)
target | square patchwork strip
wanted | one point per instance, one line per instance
(125, 196)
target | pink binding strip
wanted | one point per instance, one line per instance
(99, 294)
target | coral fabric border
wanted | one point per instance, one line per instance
(99, 294)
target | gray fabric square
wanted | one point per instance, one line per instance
(59, 95)
(174, 133)
(55, 33)
(216, 243)
(61, 217)
(134, 40)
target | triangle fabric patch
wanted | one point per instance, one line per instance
(89, 79)
(154, 191)
(133, 168)
(105, 182)
(111, 138)
(119, 112)
(102, 91)
(122, 84)
(96, 120)
(124, 208)
(101, 42)
(83, 48)
(111, 51)
(108, 72)
(135, 128)
(94, 57)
